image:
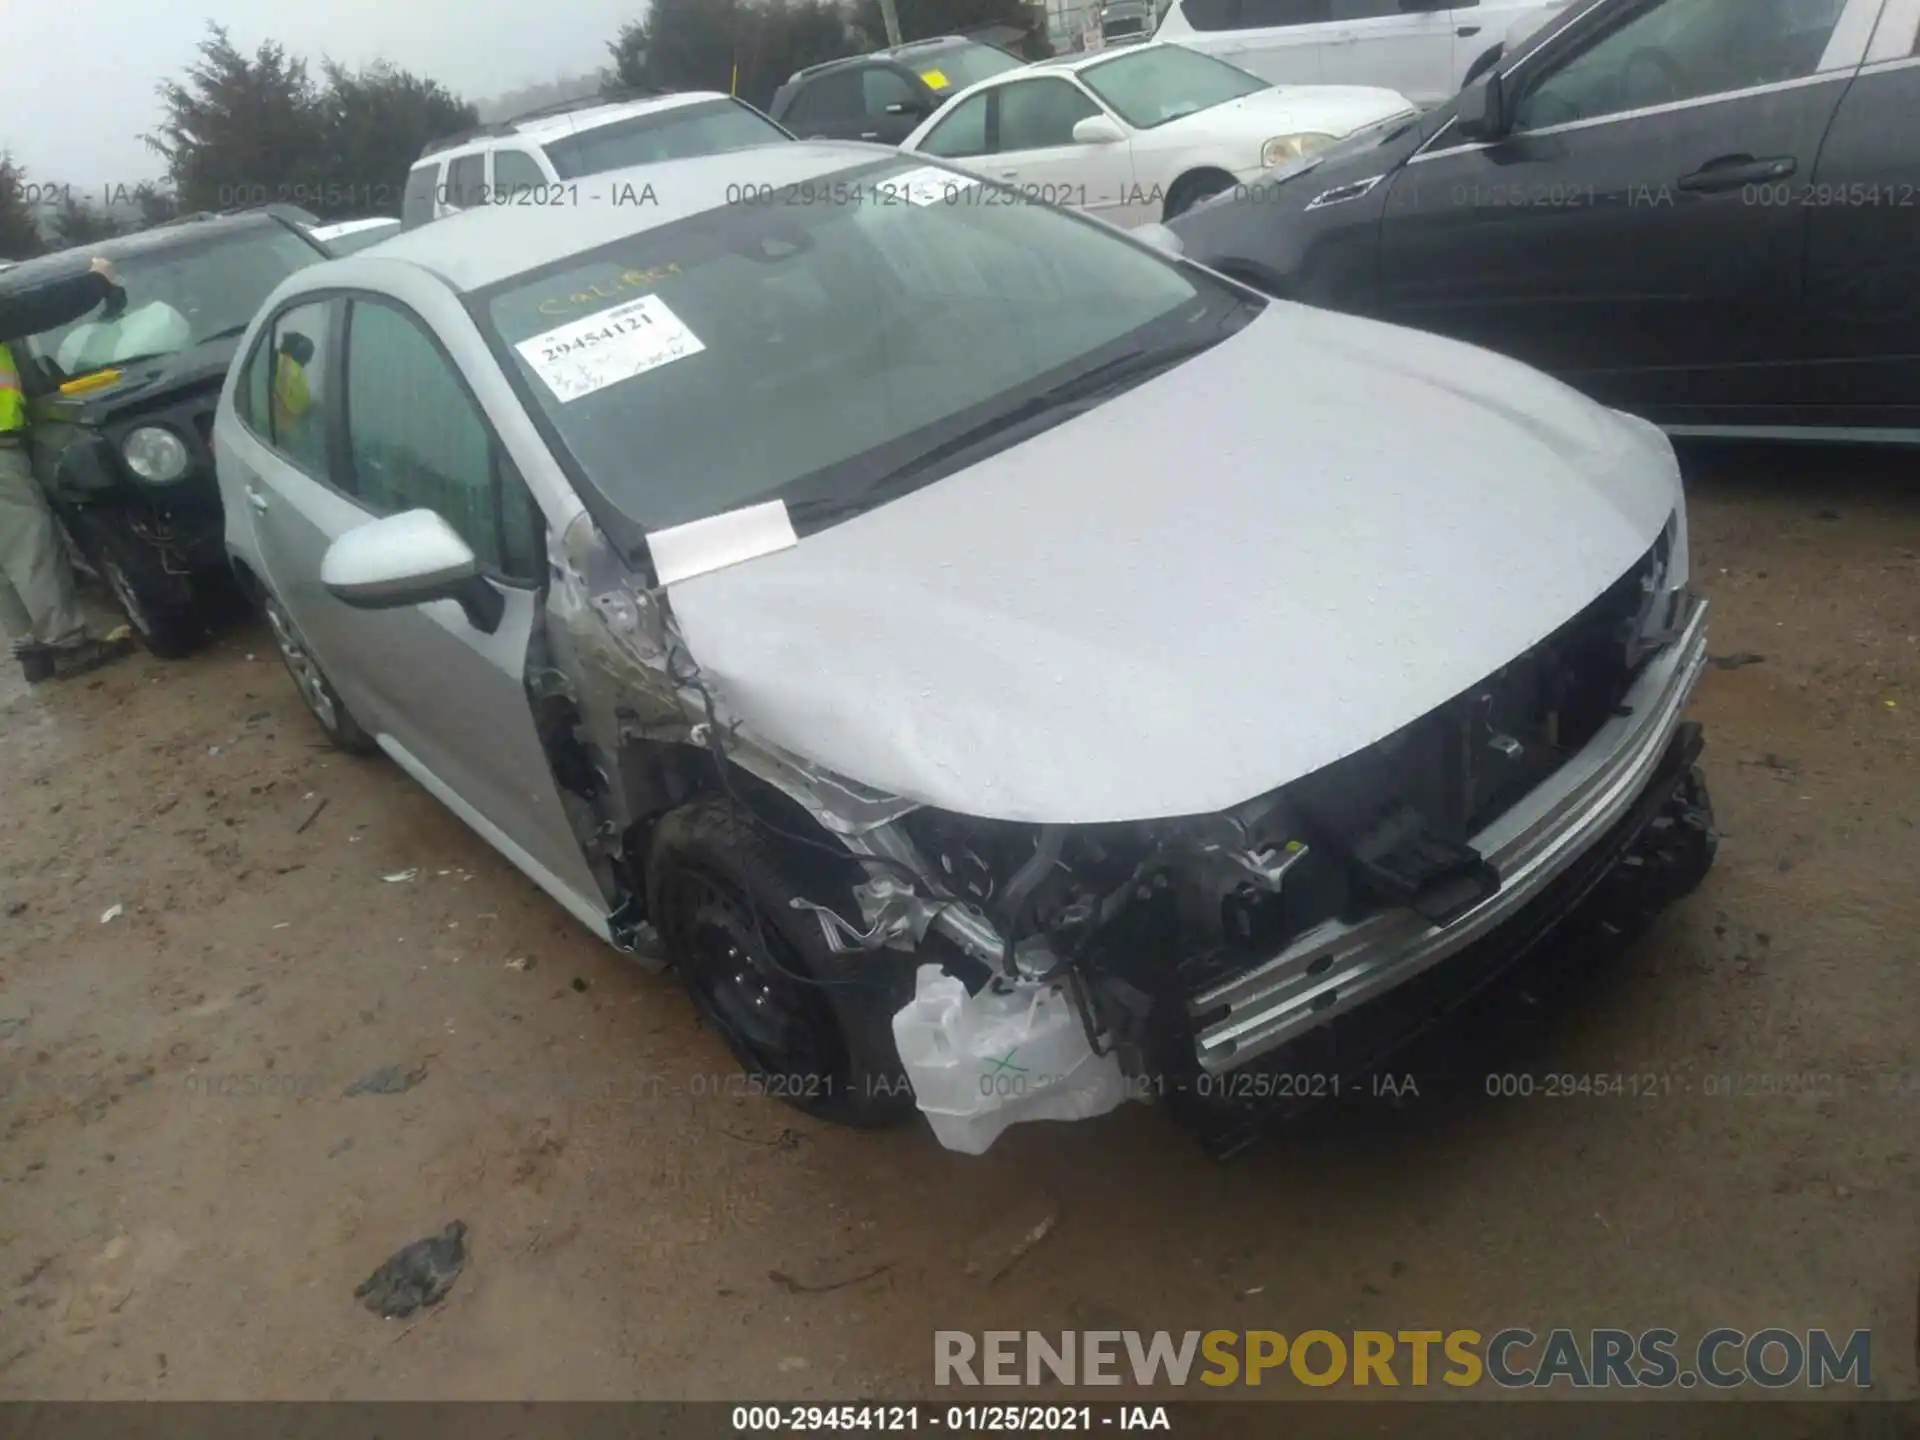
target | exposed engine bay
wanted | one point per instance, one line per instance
(1127, 921)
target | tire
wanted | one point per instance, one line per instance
(316, 691)
(1482, 65)
(1189, 190)
(159, 605)
(809, 1026)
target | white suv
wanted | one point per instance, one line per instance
(1422, 48)
(534, 159)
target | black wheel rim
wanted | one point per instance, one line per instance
(774, 1023)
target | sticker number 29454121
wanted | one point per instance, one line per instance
(585, 356)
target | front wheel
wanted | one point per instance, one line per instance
(159, 604)
(809, 1026)
(1189, 190)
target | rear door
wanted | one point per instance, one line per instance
(1383, 42)
(1634, 233)
(1863, 244)
(1278, 40)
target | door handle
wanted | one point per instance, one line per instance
(1467, 32)
(869, 134)
(256, 499)
(1732, 172)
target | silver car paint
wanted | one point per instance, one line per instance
(1208, 556)
(446, 701)
(1235, 574)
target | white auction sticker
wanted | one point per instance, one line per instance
(584, 356)
(927, 185)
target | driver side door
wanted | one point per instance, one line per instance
(1637, 233)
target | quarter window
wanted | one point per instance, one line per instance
(417, 441)
(1680, 50)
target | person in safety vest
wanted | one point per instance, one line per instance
(38, 605)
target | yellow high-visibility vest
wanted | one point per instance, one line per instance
(13, 403)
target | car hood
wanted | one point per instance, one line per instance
(1219, 581)
(1293, 109)
(143, 381)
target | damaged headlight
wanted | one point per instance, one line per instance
(1664, 586)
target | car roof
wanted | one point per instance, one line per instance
(910, 48)
(1083, 59)
(476, 248)
(160, 237)
(540, 128)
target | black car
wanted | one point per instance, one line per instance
(881, 97)
(121, 400)
(1704, 211)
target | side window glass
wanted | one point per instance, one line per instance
(1283, 14)
(467, 180)
(296, 399)
(254, 393)
(516, 174)
(416, 201)
(837, 95)
(962, 133)
(1041, 114)
(881, 87)
(1366, 9)
(1682, 50)
(416, 441)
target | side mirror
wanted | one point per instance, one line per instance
(1481, 112)
(1097, 130)
(409, 559)
(1161, 238)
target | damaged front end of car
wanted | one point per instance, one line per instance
(1056, 970)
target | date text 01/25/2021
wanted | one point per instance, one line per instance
(951, 1419)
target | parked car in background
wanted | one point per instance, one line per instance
(343, 237)
(1140, 133)
(1126, 22)
(838, 587)
(538, 159)
(121, 404)
(1422, 48)
(1704, 211)
(881, 97)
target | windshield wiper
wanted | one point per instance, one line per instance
(1058, 403)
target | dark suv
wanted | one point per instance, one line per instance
(121, 400)
(881, 97)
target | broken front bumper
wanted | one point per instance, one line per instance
(1593, 810)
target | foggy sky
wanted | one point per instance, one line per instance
(79, 85)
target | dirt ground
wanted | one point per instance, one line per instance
(187, 1199)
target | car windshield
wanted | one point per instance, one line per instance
(179, 296)
(1167, 82)
(828, 353)
(708, 128)
(959, 65)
